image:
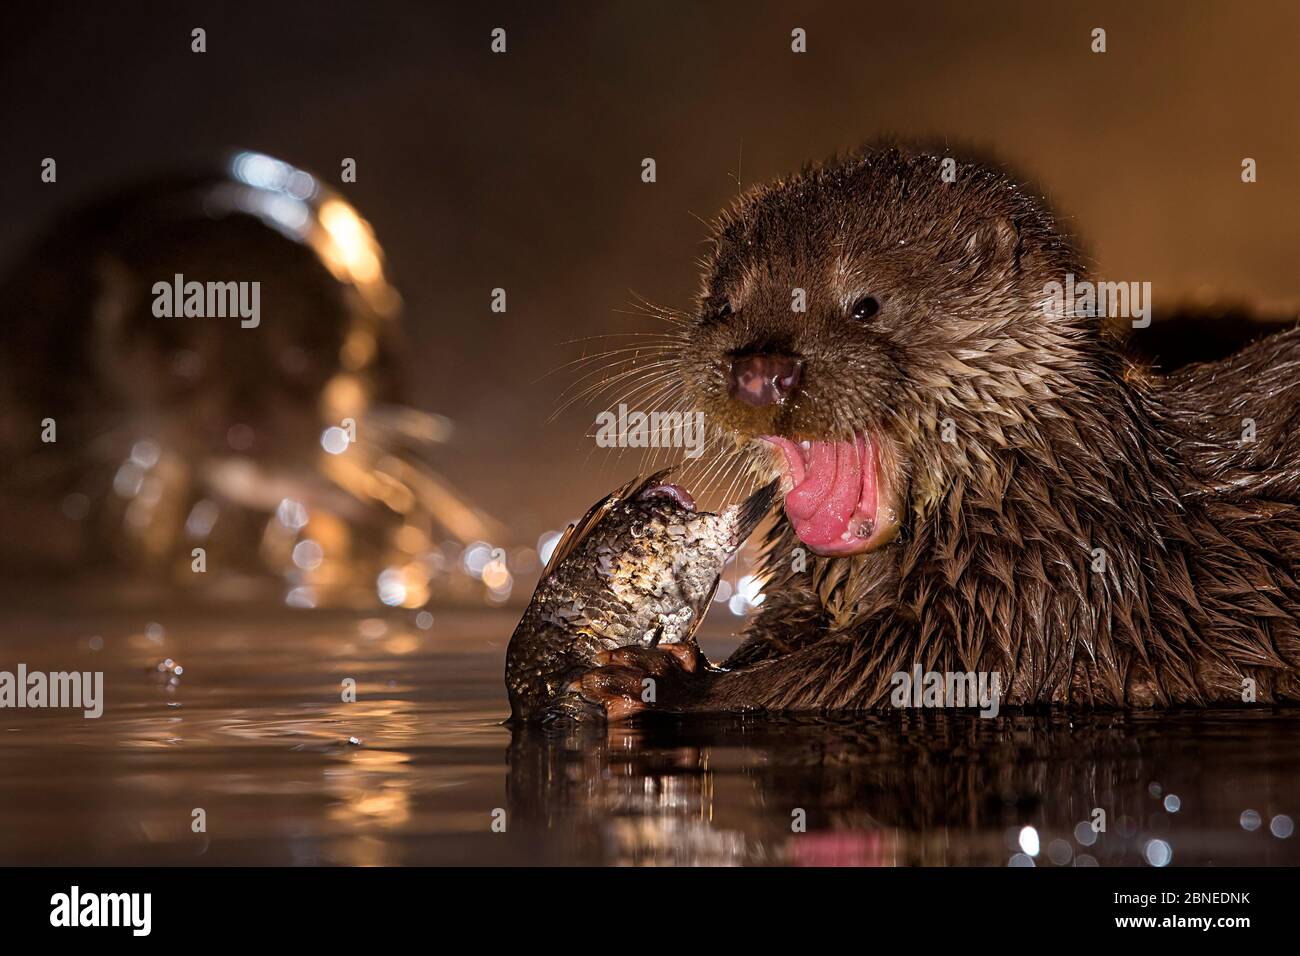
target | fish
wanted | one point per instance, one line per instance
(640, 568)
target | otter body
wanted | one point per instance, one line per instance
(976, 482)
(1164, 579)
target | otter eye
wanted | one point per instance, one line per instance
(865, 307)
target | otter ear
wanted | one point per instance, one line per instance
(994, 244)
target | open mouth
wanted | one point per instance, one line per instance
(838, 501)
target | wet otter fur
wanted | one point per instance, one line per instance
(1097, 534)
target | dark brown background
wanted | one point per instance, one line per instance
(522, 170)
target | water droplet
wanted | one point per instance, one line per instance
(1029, 840)
(1084, 834)
(334, 440)
(1158, 852)
(1059, 852)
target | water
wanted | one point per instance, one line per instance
(255, 734)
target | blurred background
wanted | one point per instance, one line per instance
(521, 171)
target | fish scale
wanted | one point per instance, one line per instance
(639, 568)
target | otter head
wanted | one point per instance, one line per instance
(875, 328)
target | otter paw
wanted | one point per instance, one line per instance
(632, 680)
(662, 661)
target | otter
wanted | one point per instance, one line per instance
(85, 348)
(131, 436)
(973, 481)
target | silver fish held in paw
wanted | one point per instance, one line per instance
(640, 568)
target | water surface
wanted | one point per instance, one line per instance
(420, 770)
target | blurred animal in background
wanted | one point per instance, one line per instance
(200, 450)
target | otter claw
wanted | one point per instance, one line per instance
(615, 688)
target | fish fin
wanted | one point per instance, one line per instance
(576, 532)
(754, 509)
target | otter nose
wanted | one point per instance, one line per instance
(765, 379)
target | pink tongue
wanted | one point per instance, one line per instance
(820, 470)
(830, 490)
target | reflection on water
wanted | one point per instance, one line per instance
(248, 724)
